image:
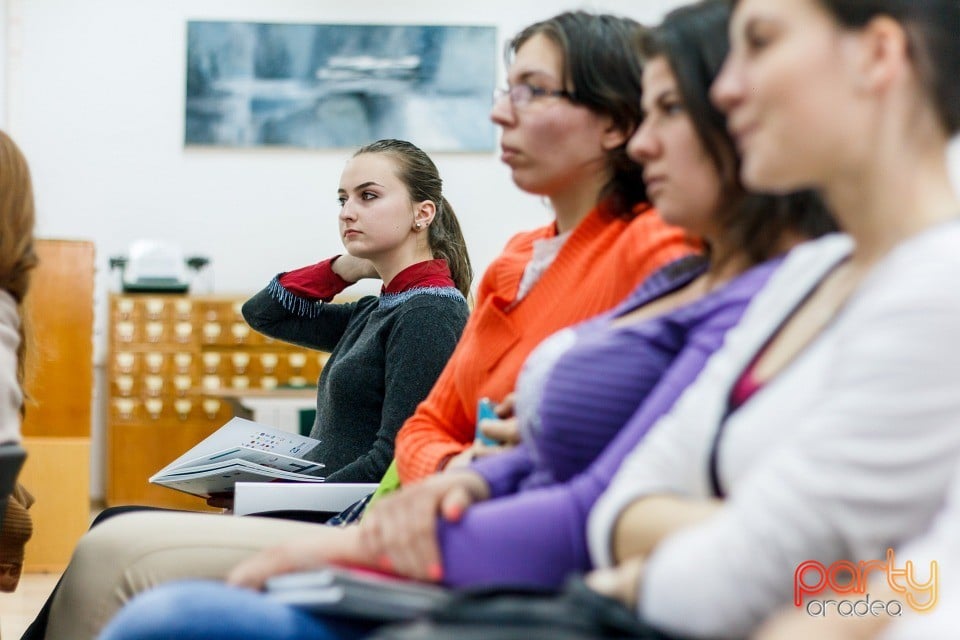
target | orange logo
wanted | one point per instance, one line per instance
(845, 577)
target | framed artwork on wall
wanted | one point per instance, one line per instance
(339, 85)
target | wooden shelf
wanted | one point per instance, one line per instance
(176, 365)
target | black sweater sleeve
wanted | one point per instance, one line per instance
(317, 325)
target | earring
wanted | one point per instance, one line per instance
(417, 225)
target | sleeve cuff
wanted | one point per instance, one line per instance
(315, 282)
(504, 472)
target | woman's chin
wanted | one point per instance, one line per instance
(767, 177)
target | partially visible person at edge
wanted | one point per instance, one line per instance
(573, 103)
(17, 260)
(825, 429)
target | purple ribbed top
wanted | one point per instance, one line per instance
(599, 399)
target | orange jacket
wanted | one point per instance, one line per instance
(602, 261)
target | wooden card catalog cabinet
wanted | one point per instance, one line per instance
(172, 361)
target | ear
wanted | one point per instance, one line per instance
(424, 213)
(883, 54)
(613, 135)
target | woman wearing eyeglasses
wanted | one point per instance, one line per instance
(573, 102)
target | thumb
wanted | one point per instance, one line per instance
(506, 407)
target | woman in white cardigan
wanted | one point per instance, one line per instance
(941, 546)
(828, 426)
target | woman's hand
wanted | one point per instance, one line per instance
(620, 583)
(505, 430)
(399, 533)
(353, 269)
(328, 545)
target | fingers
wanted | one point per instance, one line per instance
(506, 407)
(417, 555)
(455, 503)
(604, 581)
(463, 459)
(327, 544)
(621, 582)
(399, 533)
(482, 451)
(253, 572)
(505, 431)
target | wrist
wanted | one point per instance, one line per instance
(343, 267)
(353, 269)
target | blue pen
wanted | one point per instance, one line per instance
(485, 411)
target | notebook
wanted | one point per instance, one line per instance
(357, 593)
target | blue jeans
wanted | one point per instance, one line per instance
(200, 610)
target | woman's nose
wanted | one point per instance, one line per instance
(643, 144)
(727, 87)
(502, 112)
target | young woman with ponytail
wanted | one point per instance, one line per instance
(387, 350)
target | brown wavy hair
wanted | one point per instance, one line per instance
(693, 40)
(17, 252)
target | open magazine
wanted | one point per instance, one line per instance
(357, 593)
(241, 451)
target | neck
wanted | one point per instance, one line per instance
(904, 190)
(572, 204)
(390, 265)
(726, 262)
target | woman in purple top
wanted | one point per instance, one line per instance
(584, 399)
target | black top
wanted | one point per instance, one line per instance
(386, 353)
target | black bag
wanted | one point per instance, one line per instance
(575, 613)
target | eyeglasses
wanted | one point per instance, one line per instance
(521, 94)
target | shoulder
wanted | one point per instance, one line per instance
(646, 221)
(426, 322)
(644, 240)
(504, 271)
(824, 250)
(362, 306)
(524, 240)
(808, 262)
(436, 304)
(922, 272)
(747, 284)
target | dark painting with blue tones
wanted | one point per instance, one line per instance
(339, 86)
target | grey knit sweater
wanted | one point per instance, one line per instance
(386, 353)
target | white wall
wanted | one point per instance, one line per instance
(95, 97)
(96, 100)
